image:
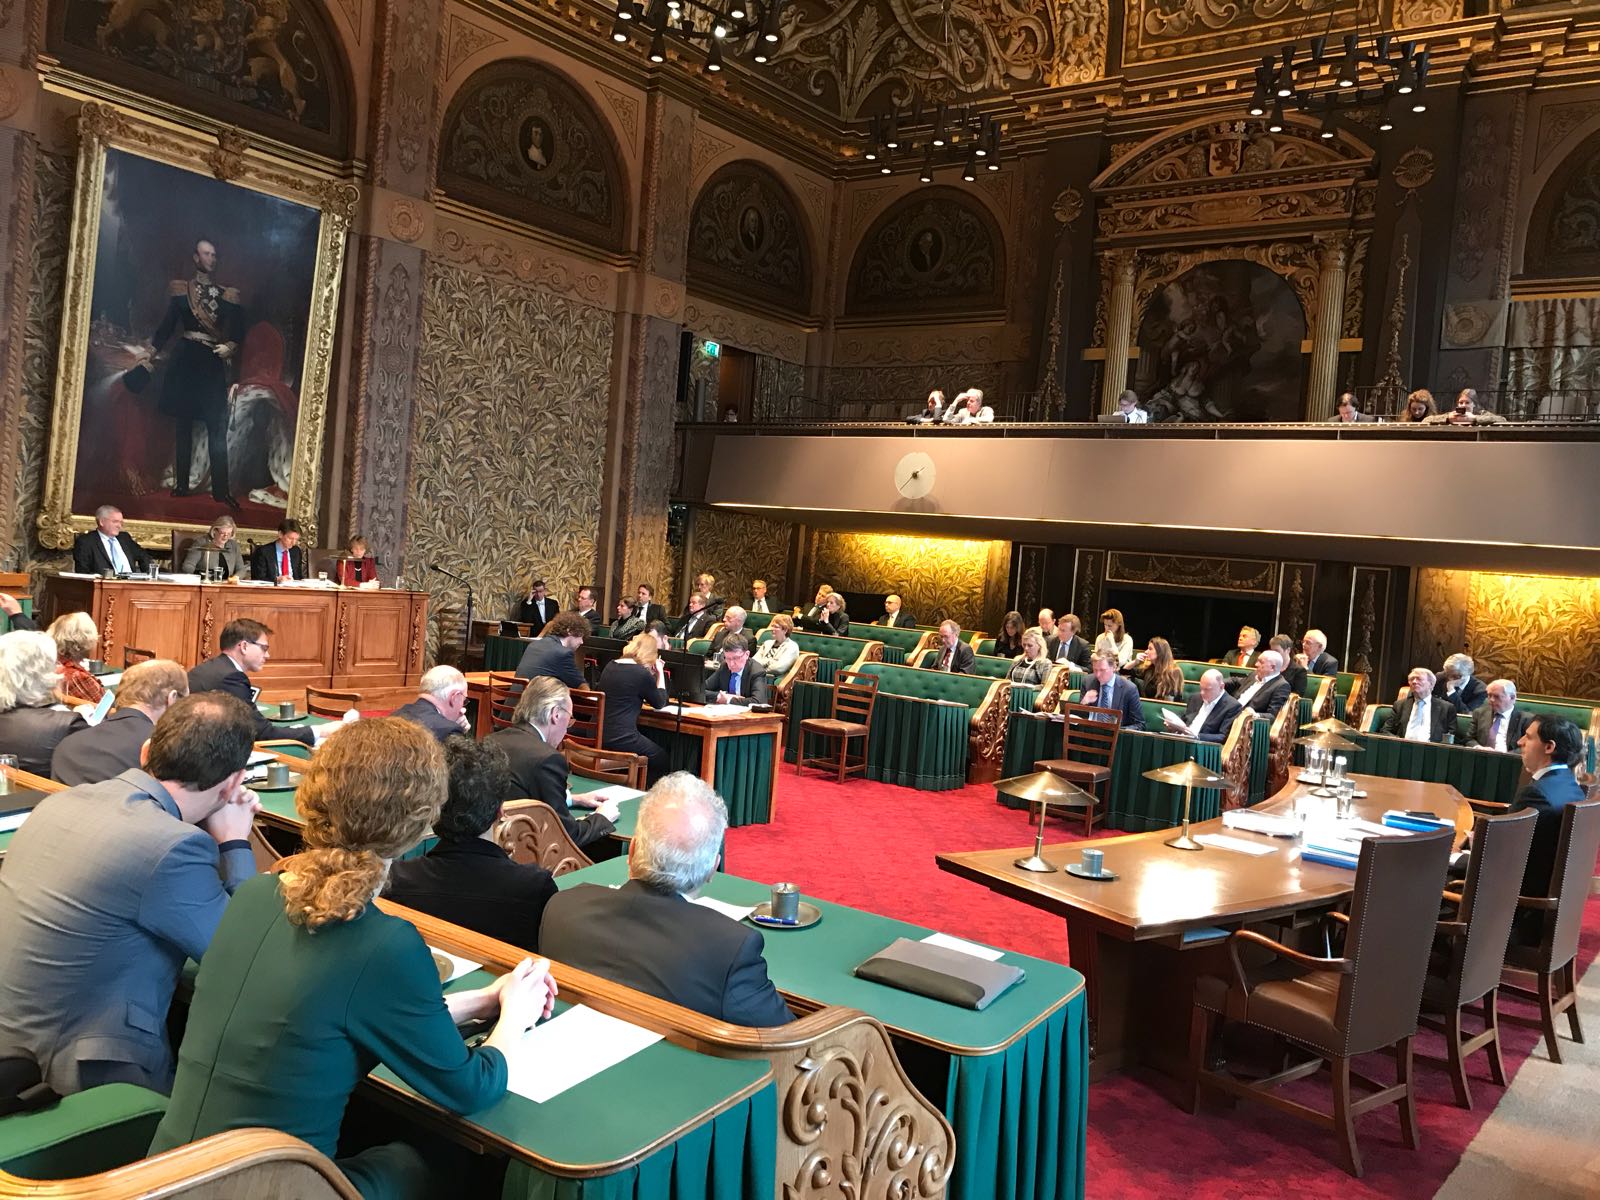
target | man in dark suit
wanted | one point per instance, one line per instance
(107, 548)
(1269, 691)
(1069, 646)
(706, 585)
(1550, 746)
(738, 680)
(1497, 725)
(954, 655)
(108, 749)
(647, 935)
(584, 606)
(1459, 686)
(732, 626)
(895, 615)
(553, 653)
(245, 647)
(1243, 654)
(697, 619)
(467, 879)
(1420, 716)
(539, 771)
(440, 708)
(758, 597)
(1106, 690)
(280, 560)
(647, 609)
(539, 609)
(1314, 656)
(94, 929)
(1210, 712)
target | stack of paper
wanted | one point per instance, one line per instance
(572, 1047)
(734, 912)
(1221, 841)
(1336, 852)
(1271, 824)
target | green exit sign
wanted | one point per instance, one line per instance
(713, 349)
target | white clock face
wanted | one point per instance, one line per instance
(913, 475)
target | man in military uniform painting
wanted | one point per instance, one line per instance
(205, 323)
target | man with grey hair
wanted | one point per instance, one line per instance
(732, 623)
(1458, 685)
(648, 935)
(1209, 713)
(106, 548)
(1269, 691)
(1497, 724)
(1419, 715)
(1314, 656)
(440, 707)
(106, 750)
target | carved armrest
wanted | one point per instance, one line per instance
(1343, 966)
(1488, 805)
(1538, 903)
(1450, 897)
(1452, 929)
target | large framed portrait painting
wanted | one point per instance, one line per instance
(197, 333)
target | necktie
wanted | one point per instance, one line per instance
(119, 560)
(1418, 724)
(1494, 731)
(285, 568)
(944, 659)
(733, 683)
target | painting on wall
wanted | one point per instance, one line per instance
(1222, 343)
(196, 340)
(747, 240)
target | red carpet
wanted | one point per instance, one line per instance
(871, 845)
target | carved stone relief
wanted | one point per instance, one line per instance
(1156, 30)
(1169, 570)
(1564, 233)
(522, 141)
(747, 332)
(747, 239)
(1558, 120)
(935, 250)
(465, 39)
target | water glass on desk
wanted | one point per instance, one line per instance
(8, 763)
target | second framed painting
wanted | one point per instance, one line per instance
(200, 305)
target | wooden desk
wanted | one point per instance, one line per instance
(325, 637)
(1141, 939)
(739, 755)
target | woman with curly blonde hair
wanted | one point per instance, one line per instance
(307, 986)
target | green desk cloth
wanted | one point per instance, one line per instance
(728, 1157)
(26, 604)
(86, 1133)
(1137, 804)
(915, 743)
(1020, 1113)
(744, 769)
(503, 653)
(1476, 774)
(828, 670)
(1023, 697)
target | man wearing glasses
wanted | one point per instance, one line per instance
(244, 650)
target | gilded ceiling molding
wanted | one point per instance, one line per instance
(1159, 30)
(1413, 14)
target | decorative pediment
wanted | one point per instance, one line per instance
(1215, 155)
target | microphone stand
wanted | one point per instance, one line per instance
(466, 628)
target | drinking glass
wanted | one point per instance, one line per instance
(8, 763)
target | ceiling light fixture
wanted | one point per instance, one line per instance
(1372, 68)
(755, 26)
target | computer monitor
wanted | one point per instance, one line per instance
(596, 652)
(686, 676)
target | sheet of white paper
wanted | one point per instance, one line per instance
(720, 710)
(257, 757)
(966, 947)
(1361, 828)
(566, 1050)
(1221, 841)
(1173, 721)
(1267, 823)
(14, 821)
(613, 791)
(110, 681)
(734, 912)
(458, 966)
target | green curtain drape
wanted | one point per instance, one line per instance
(744, 769)
(731, 1157)
(1023, 1113)
(502, 653)
(1023, 697)
(914, 743)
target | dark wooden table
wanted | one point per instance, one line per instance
(1141, 940)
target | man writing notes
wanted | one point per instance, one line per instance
(280, 560)
(1497, 724)
(954, 656)
(94, 930)
(1208, 714)
(1269, 691)
(654, 939)
(894, 613)
(1420, 716)
(1105, 690)
(738, 680)
(107, 547)
(245, 647)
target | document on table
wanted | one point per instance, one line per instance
(1221, 841)
(1256, 822)
(612, 791)
(988, 953)
(11, 822)
(720, 710)
(572, 1047)
(734, 912)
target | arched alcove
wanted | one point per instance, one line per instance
(748, 240)
(937, 250)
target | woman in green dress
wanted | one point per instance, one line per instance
(307, 986)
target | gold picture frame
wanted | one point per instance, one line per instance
(227, 157)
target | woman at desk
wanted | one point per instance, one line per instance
(358, 566)
(1114, 640)
(1157, 674)
(308, 986)
(778, 654)
(1032, 663)
(629, 683)
(835, 617)
(30, 725)
(1008, 642)
(76, 641)
(221, 541)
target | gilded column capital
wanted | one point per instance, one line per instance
(1334, 251)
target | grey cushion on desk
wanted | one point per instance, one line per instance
(939, 973)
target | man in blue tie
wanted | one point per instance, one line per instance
(106, 548)
(738, 680)
(1107, 691)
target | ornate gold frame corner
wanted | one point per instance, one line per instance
(229, 156)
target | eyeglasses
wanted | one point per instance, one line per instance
(257, 645)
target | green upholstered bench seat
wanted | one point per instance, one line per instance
(85, 1133)
(1476, 774)
(757, 620)
(987, 701)
(846, 653)
(904, 638)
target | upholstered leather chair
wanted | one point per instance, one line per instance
(1544, 942)
(1471, 948)
(1338, 1008)
(854, 696)
(1092, 732)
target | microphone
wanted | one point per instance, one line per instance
(446, 574)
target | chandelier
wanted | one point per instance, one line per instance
(753, 23)
(935, 135)
(1371, 71)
